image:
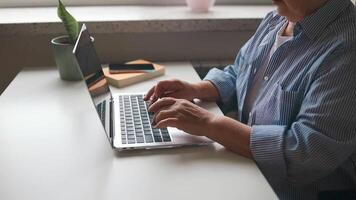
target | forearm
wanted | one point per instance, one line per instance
(232, 134)
(206, 91)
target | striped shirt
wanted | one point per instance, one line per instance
(304, 116)
(258, 78)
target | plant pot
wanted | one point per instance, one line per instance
(65, 60)
(200, 6)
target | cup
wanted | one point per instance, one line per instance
(200, 6)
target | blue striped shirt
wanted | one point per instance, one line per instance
(304, 117)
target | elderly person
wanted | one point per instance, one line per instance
(294, 87)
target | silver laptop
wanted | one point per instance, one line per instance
(125, 118)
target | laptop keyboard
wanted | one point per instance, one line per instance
(135, 122)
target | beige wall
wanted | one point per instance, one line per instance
(21, 51)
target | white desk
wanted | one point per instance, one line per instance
(52, 146)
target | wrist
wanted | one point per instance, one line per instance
(197, 90)
(213, 125)
(205, 90)
(230, 133)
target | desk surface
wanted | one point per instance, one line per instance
(52, 146)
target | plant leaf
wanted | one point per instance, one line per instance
(70, 24)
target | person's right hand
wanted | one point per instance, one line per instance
(172, 88)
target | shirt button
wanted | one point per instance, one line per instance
(254, 71)
(266, 78)
(249, 114)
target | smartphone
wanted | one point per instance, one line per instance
(130, 68)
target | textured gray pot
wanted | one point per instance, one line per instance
(65, 60)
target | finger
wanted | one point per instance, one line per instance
(176, 95)
(169, 122)
(156, 113)
(163, 87)
(158, 105)
(149, 93)
(163, 114)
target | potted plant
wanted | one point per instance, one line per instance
(63, 46)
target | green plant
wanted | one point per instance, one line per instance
(70, 23)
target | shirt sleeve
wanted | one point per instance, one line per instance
(224, 81)
(323, 135)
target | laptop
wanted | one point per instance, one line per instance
(124, 116)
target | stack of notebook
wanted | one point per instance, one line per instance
(125, 79)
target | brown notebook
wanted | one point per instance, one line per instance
(125, 79)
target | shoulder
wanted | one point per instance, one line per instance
(339, 40)
(266, 29)
(344, 29)
(271, 19)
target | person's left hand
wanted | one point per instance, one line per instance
(182, 114)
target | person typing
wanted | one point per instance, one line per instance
(293, 85)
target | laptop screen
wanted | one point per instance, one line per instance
(92, 72)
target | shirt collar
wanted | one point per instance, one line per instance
(315, 23)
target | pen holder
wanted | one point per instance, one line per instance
(65, 60)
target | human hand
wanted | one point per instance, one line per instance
(172, 88)
(183, 115)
